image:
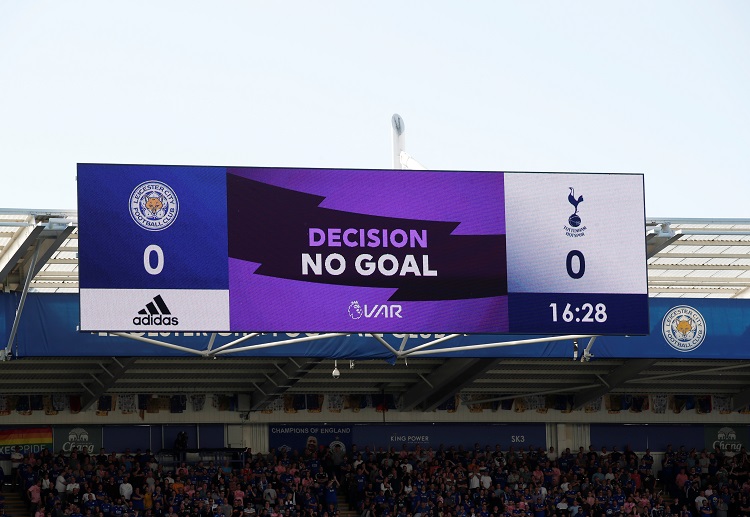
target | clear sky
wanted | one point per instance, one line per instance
(660, 88)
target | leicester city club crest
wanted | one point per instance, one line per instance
(683, 328)
(154, 205)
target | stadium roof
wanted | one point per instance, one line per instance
(698, 258)
(694, 258)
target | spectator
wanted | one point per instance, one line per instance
(126, 489)
(16, 459)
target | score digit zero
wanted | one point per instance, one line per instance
(153, 248)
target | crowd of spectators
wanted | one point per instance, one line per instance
(490, 481)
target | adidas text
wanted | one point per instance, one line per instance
(156, 319)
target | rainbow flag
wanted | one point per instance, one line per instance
(28, 439)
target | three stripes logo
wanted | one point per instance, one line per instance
(155, 312)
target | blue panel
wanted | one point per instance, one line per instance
(579, 313)
(713, 329)
(211, 436)
(195, 244)
(605, 435)
(691, 436)
(117, 438)
(466, 435)
(48, 328)
(8, 304)
(646, 436)
(171, 431)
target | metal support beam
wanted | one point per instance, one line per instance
(420, 350)
(9, 347)
(741, 400)
(17, 248)
(446, 380)
(104, 381)
(659, 238)
(613, 380)
(283, 379)
(49, 246)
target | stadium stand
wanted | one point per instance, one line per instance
(485, 481)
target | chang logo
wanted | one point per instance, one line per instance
(574, 228)
(683, 328)
(726, 440)
(78, 437)
(78, 434)
(153, 205)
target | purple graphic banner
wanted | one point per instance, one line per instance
(354, 251)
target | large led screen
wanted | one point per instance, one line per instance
(338, 250)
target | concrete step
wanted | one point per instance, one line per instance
(14, 505)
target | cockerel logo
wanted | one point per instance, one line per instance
(574, 220)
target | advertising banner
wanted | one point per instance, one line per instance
(729, 439)
(465, 435)
(310, 436)
(88, 437)
(28, 439)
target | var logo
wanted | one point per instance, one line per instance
(380, 310)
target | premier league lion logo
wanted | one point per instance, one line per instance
(355, 310)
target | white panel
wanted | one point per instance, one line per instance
(255, 437)
(540, 233)
(581, 436)
(190, 310)
(234, 436)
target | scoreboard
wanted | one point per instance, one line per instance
(239, 249)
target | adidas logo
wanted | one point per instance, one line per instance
(156, 312)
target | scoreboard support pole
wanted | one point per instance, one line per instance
(398, 141)
(46, 235)
(22, 302)
(400, 159)
(423, 349)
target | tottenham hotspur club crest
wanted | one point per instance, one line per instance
(574, 220)
(154, 205)
(574, 228)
